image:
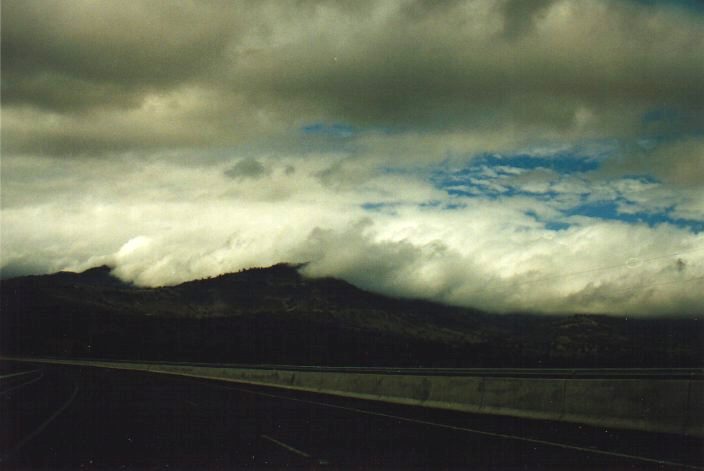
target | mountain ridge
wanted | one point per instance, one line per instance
(275, 314)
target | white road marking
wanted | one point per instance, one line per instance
(288, 447)
(21, 385)
(480, 432)
(18, 374)
(41, 427)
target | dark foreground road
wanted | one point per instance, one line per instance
(84, 418)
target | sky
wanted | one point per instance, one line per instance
(537, 156)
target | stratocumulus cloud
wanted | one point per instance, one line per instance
(512, 156)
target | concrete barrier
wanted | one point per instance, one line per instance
(457, 393)
(535, 398)
(694, 413)
(644, 405)
(659, 405)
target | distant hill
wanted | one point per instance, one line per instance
(275, 315)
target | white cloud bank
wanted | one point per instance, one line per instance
(190, 221)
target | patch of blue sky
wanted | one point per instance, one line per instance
(562, 163)
(549, 223)
(542, 196)
(379, 206)
(484, 183)
(496, 192)
(391, 208)
(499, 169)
(611, 210)
(462, 192)
(593, 149)
(443, 205)
(563, 183)
(557, 225)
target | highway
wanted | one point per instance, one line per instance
(69, 417)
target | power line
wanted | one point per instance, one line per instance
(641, 288)
(631, 262)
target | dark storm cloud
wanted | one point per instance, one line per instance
(247, 168)
(68, 56)
(94, 77)
(217, 72)
(22, 268)
(678, 162)
(519, 16)
(454, 66)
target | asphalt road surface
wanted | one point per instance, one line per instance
(61, 417)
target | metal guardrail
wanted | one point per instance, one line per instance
(538, 373)
(584, 373)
